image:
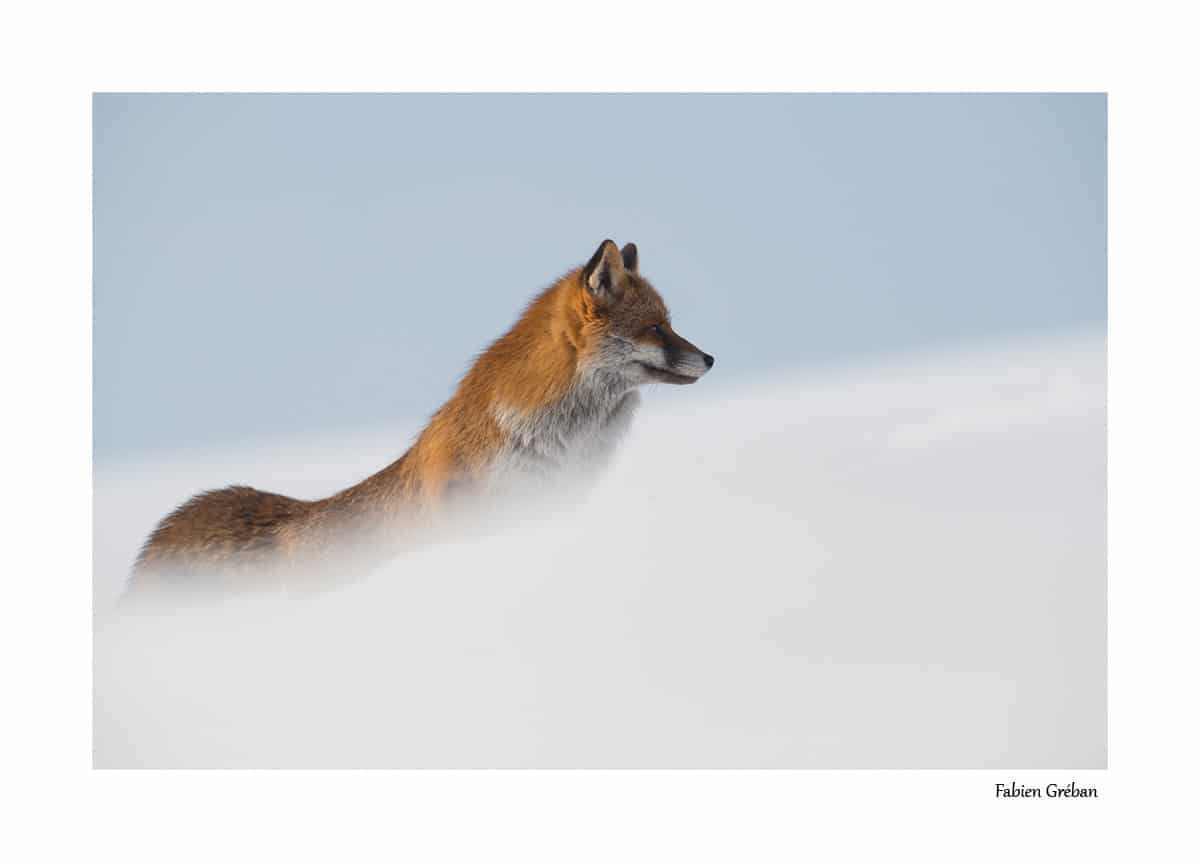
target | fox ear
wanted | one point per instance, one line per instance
(604, 274)
(629, 257)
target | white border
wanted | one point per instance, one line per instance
(54, 56)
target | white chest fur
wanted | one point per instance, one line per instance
(576, 435)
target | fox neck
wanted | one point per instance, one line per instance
(572, 437)
(559, 408)
(538, 404)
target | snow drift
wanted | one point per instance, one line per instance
(890, 565)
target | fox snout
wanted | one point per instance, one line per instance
(682, 361)
(685, 357)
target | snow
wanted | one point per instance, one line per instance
(889, 565)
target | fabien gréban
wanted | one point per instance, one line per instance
(1013, 790)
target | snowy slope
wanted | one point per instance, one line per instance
(893, 565)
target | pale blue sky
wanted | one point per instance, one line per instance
(279, 265)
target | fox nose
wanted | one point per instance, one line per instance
(708, 361)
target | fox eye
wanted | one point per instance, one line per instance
(658, 330)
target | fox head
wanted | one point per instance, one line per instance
(631, 325)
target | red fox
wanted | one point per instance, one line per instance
(553, 394)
